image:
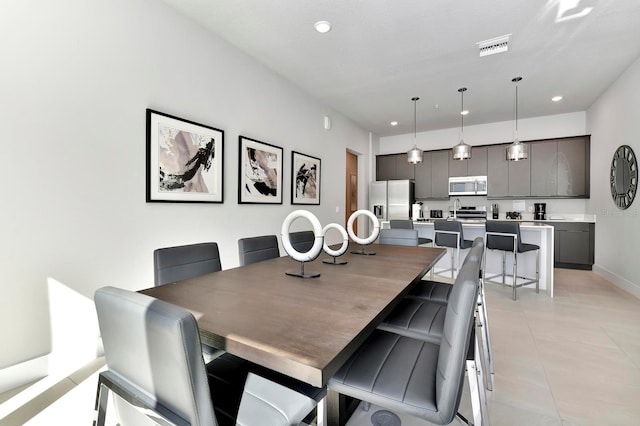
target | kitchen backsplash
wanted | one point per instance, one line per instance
(561, 207)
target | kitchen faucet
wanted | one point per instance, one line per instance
(456, 204)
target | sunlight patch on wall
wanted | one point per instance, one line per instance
(74, 329)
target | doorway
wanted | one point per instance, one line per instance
(351, 189)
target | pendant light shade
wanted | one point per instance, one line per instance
(462, 151)
(414, 156)
(517, 151)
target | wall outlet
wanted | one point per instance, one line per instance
(338, 209)
(530, 209)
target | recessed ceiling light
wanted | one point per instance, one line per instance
(464, 112)
(394, 123)
(322, 26)
(556, 98)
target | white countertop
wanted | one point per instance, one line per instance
(528, 217)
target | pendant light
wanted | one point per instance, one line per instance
(414, 156)
(517, 151)
(462, 151)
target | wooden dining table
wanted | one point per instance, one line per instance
(305, 328)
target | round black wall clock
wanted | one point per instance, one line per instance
(624, 176)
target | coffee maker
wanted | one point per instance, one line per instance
(495, 210)
(540, 211)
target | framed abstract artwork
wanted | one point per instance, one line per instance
(305, 179)
(184, 160)
(259, 172)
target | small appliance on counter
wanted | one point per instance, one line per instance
(495, 211)
(514, 215)
(435, 214)
(540, 211)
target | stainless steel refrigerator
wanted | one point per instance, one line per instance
(392, 199)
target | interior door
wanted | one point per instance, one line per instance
(351, 189)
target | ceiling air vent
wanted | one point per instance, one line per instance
(494, 45)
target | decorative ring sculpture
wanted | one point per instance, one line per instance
(374, 233)
(341, 250)
(313, 252)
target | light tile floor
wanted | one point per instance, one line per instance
(571, 360)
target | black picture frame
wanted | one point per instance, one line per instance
(305, 179)
(185, 160)
(259, 172)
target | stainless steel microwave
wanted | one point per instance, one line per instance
(468, 185)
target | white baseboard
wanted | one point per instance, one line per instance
(618, 281)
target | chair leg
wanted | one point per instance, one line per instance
(537, 271)
(102, 395)
(321, 411)
(486, 344)
(504, 266)
(515, 273)
(476, 389)
(453, 266)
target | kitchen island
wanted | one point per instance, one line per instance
(537, 233)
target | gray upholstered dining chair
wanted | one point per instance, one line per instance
(408, 224)
(152, 349)
(171, 264)
(302, 241)
(257, 249)
(417, 377)
(398, 237)
(421, 313)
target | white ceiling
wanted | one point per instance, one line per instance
(381, 53)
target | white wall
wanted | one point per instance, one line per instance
(613, 121)
(75, 80)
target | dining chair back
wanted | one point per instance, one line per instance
(399, 237)
(412, 376)
(400, 224)
(257, 249)
(171, 264)
(302, 241)
(408, 224)
(152, 350)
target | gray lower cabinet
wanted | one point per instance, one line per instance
(573, 245)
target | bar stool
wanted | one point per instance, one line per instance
(505, 236)
(448, 233)
(408, 224)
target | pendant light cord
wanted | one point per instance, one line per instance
(462, 115)
(516, 80)
(415, 118)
